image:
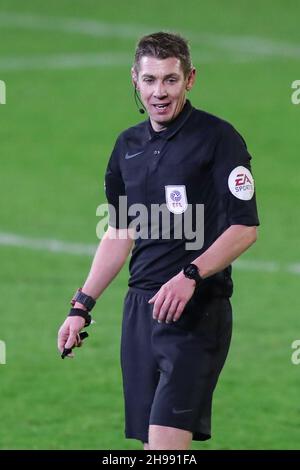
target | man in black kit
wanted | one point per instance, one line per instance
(177, 321)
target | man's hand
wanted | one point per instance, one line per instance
(172, 297)
(68, 334)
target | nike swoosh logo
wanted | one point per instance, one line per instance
(177, 412)
(127, 156)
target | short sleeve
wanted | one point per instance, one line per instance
(233, 178)
(115, 190)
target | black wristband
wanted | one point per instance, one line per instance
(79, 312)
(84, 299)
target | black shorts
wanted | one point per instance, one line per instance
(170, 370)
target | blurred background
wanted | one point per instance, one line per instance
(66, 65)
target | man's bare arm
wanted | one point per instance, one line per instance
(229, 246)
(110, 256)
(172, 297)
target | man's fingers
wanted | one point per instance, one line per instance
(164, 310)
(157, 305)
(69, 336)
(78, 341)
(71, 341)
(172, 310)
(60, 344)
(61, 340)
(179, 311)
(153, 299)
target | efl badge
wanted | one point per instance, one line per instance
(241, 183)
(176, 199)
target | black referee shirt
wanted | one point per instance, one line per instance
(198, 159)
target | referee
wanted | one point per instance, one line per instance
(177, 318)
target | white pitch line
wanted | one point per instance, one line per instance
(241, 46)
(87, 27)
(65, 61)
(83, 249)
(267, 266)
(254, 265)
(52, 245)
(79, 60)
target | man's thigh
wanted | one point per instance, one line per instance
(190, 355)
(170, 370)
(139, 368)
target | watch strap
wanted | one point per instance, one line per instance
(83, 299)
(79, 312)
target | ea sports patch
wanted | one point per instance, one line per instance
(176, 199)
(241, 183)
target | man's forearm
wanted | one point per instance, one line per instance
(229, 246)
(110, 256)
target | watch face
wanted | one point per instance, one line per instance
(191, 271)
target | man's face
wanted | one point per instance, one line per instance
(162, 87)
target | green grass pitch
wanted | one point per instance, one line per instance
(57, 130)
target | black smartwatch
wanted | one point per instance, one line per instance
(83, 299)
(191, 272)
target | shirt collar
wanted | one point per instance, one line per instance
(175, 125)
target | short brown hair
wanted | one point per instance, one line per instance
(163, 45)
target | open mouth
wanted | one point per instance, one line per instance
(161, 107)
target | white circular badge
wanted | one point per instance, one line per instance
(241, 183)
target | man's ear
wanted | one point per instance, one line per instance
(191, 79)
(134, 78)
